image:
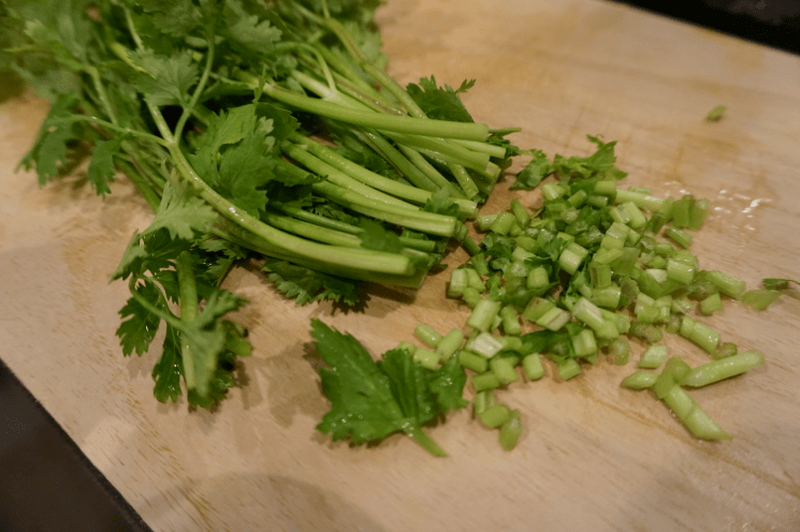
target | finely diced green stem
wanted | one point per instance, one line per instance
(495, 415)
(482, 401)
(449, 344)
(483, 314)
(698, 214)
(760, 299)
(427, 358)
(711, 304)
(639, 380)
(727, 284)
(470, 360)
(584, 343)
(680, 271)
(485, 381)
(511, 430)
(504, 369)
(428, 334)
(568, 369)
(684, 238)
(674, 370)
(502, 223)
(532, 367)
(701, 334)
(653, 356)
(484, 344)
(620, 350)
(640, 199)
(697, 421)
(510, 321)
(458, 282)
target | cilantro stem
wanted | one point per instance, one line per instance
(402, 124)
(432, 223)
(106, 124)
(381, 76)
(412, 194)
(425, 441)
(189, 312)
(188, 110)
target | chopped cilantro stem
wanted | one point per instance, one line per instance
(722, 369)
(639, 380)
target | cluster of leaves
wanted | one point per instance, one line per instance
(172, 94)
(371, 400)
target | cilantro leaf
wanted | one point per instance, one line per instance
(139, 325)
(376, 237)
(182, 213)
(167, 79)
(101, 168)
(600, 162)
(177, 17)
(369, 400)
(441, 103)
(534, 172)
(168, 370)
(778, 284)
(441, 203)
(305, 285)
(447, 385)
(248, 32)
(49, 151)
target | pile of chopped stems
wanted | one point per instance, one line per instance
(254, 130)
(576, 279)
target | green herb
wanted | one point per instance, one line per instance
(371, 400)
(716, 113)
(594, 266)
(218, 112)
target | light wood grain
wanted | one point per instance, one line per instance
(593, 456)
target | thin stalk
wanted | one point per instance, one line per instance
(189, 312)
(409, 193)
(401, 124)
(238, 235)
(416, 158)
(113, 127)
(426, 222)
(189, 109)
(391, 154)
(337, 177)
(429, 246)
(381, 76)
(142, 185)
(449, 151)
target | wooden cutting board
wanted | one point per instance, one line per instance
(593, 456)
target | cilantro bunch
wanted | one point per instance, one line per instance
(264, 131)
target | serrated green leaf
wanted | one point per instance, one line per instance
(101, 168)
(442, 103)
(167, 372)
(305, 285)
(168, 79)
(182, 214)
(139, 326)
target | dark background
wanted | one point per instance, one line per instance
(47, 484)
(775, 23)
